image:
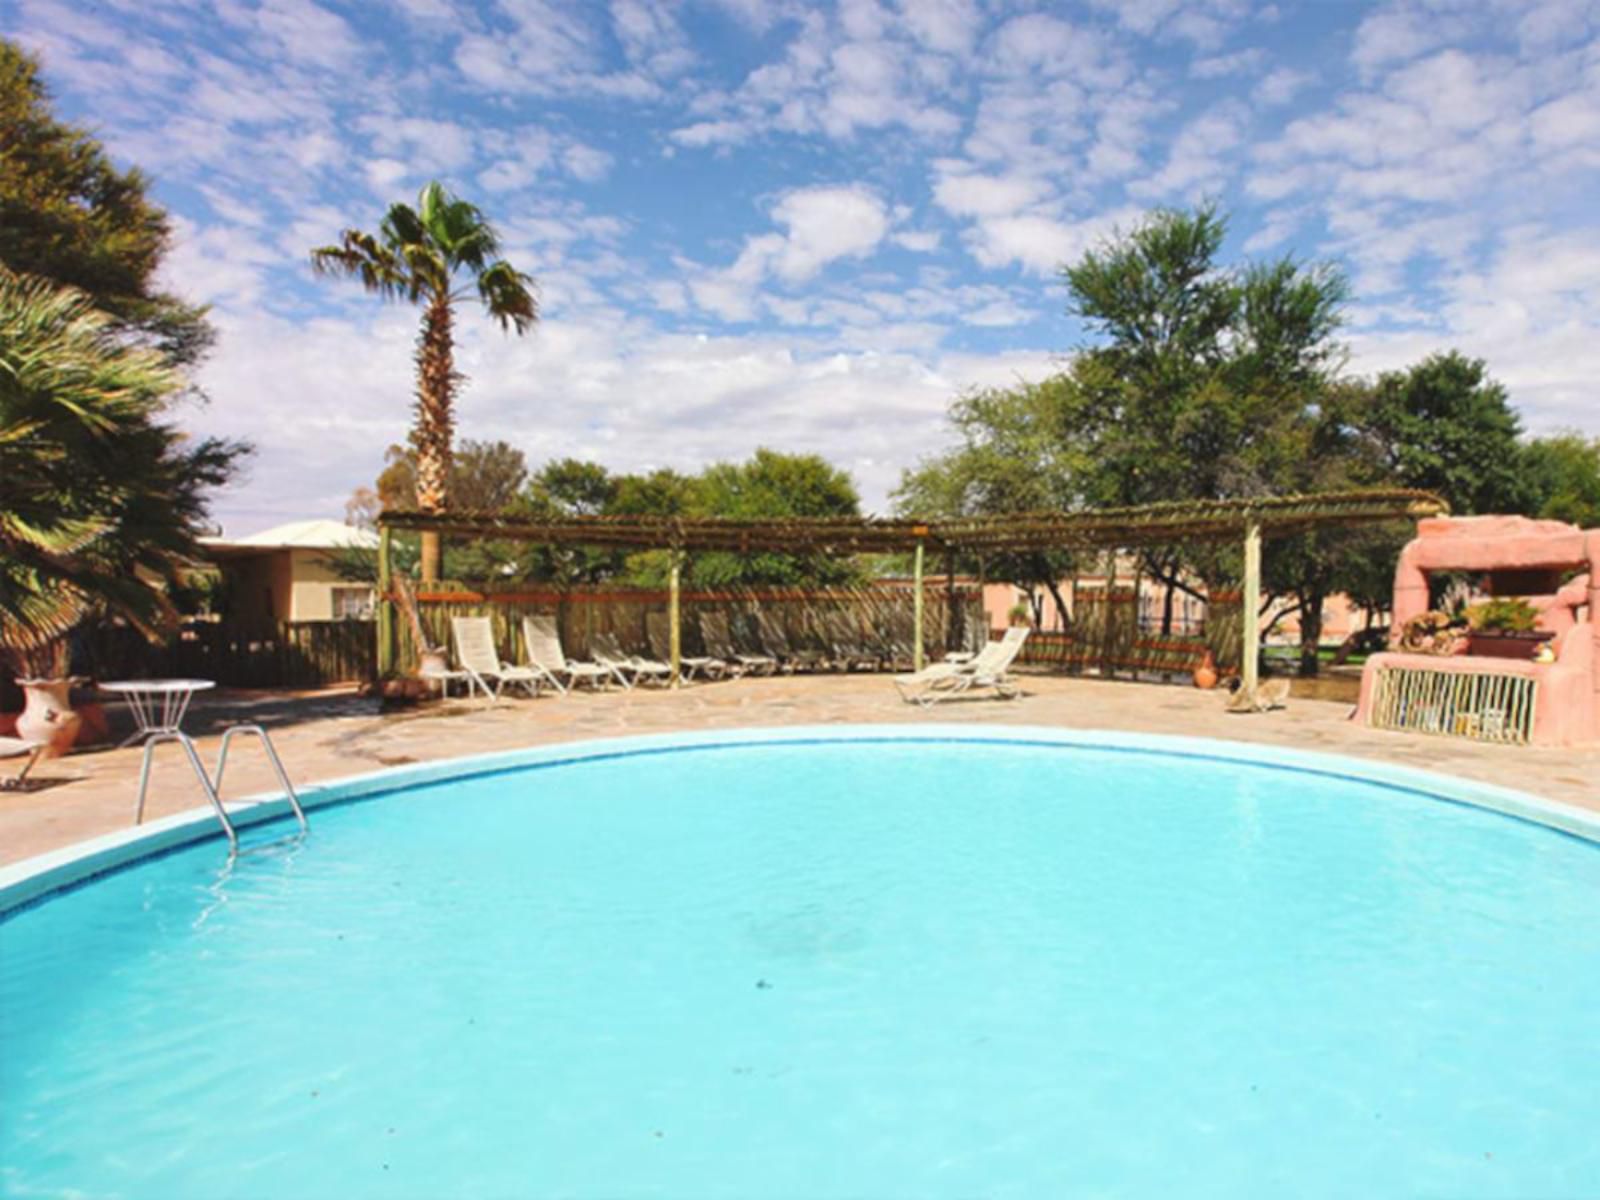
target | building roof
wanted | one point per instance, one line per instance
(299, 535)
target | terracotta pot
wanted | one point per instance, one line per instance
(47, 714)
(8, 724)
(96, 727)
(1205, 675)
(1505, 644)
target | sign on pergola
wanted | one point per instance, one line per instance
(1248, 520)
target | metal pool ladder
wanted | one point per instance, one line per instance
(213, 789)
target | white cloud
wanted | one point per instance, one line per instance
(604, 388)
(1281, 85)
(1219, 66)
(821, 225)
(1039, 245)
(1199, 159)
(979, 195)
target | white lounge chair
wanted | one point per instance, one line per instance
(10, 747)
(546, 656)
(987, 669)
(718, 638)
(480, 659)
(776, 642)
(660, 638)
(608, 653)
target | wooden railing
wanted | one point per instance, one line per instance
(1076, 653)
(290, 654)
(1485, 706)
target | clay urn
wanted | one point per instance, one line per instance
(1205, 675)
(47, 714)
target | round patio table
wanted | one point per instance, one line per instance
(158, 705)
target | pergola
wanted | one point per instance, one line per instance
(1248, 520)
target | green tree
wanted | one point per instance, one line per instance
(573, 488)
(568, 487)
(1207, 379)
(100, 501)
(1444, 425)
(67, 214)
(1563, 471)
(662, 493)
(774, 485)
(417, 255)
(484, 476)
(1017, 452)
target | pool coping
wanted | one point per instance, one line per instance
(35, 879)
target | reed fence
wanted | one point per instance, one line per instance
(875, 619)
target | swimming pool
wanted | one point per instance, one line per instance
(824, 963)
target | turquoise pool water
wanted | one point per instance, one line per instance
(830, 970)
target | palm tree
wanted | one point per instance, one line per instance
(100, 502)
(415, 256)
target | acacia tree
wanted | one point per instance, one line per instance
(417, 255)
(1019, 451)
(67, 214)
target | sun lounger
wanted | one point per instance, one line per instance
(660, 639)
(898, 647)
(545, 655)
(987, 669)
(480, 659)
(715, 633)
(775, 640)
(10, 747)
(608, 653)
(843, 635)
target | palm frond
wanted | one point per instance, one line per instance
(361, 256)
(509, 296)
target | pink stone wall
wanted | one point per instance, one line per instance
(1567, 710)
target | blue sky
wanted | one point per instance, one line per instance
(811, 226)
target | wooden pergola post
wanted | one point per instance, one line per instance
(952, 623)
(1248, 666)
(1108, 669)
(385, 629)
(916, 606)
(674, 624)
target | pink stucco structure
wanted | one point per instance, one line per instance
(1515, 552)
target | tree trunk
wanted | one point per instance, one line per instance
(1061, 604)
(1310, 632)
(1166, 611)
(436, 384)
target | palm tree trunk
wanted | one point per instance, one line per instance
(436, 383)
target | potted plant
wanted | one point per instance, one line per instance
(47, 714)
(1021, 613)
(1505, 628)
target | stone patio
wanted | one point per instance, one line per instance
(323, 735)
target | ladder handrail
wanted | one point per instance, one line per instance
(272, 757)
(213, 789)
(200, 773)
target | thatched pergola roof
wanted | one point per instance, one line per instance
(1142, 525)
(1246, 520)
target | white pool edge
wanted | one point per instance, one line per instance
(34, 878)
